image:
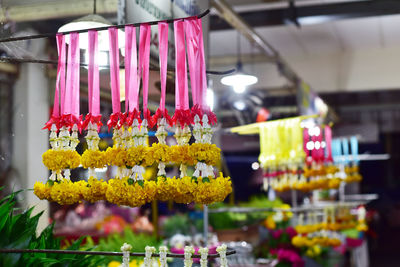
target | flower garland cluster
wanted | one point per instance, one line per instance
(130, 155)
(329, 239)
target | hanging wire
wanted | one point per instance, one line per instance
(105, 253)
(47, 35)
(94, 6)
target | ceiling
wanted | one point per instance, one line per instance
(321, 46)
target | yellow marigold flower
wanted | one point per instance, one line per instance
(93, 159)
(116, 156)
(95, 190)
(42, 191)
(67, 192)
(61, 159)
(160, 152)
(208, 153)
(127, 192)
(180, 155)
(166, 188)
(270, 223)
(114, 264)
(185, 189)
(299, 241)
(136, 155)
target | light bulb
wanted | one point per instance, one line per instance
(239, 88)
(240, 105)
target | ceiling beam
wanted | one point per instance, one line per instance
(227, 60)
(312, 14)
(54, 10)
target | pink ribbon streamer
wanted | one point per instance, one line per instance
(197, 69)
(58, 106)
(163, 47)
(94, 115)
(131, 72)
(114, 69)
(181, 86)
(193, 59)
(93, 74)
(60, 83)
(328, 143)
(71, 100)
(144, 61)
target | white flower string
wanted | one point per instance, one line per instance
(163, 256)
(92, 139)
(182, 137)
(55, 144)
(147, 259)
(222, 255)
(126, 248)
(161, 135)
(204, 254)
(188, 262)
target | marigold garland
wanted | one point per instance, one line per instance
(61, 159)
(95, 190)
(127, 192)
(93, 159)
(208, 153)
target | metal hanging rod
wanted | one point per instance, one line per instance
(42, 61)
(47, 35)
(105, 253)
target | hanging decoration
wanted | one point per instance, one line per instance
(130, 153)
(306, 158)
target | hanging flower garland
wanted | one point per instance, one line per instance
(130, 152)
(222, 254)
(62, 157)
(188, 252)
(163, 256)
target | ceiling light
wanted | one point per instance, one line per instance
(255, 165)
(210, 98)
(239, 105)
(239, 81)
(89, 22)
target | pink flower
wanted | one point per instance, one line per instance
(290, 256)
(276, 234)
(291, 232)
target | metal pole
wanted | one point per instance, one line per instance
(205, 224)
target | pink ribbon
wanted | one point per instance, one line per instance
(181, 86)
(131, 74)
(328, 143)
(94, 115)
(306, 139)
(144, 64)
(114, 69)
(197, 69)
(71, 100)
(58, 105)
(163, 48)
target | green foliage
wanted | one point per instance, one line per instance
(19, 231)
(231, 220)
(176, 224)
(114, 242)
